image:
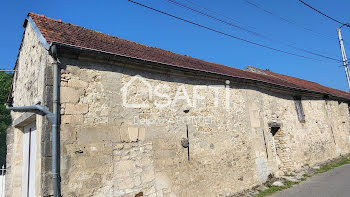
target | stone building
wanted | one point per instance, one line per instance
(138, 120)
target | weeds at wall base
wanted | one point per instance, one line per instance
(273, 189)
(287, 184)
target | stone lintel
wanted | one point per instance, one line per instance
(275, 124)
(25, 119)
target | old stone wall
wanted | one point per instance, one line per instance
(92, 114)
(110, 149)
(31, 85)
(302, 143)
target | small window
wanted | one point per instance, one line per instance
(274, 127)
(274, 130)
(299, 108)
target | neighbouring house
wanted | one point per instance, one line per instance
(142, 121)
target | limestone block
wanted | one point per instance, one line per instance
(152, 195)
(150, 191)
(142, 134)
(161, 181)
(77, 83)
(118, 192)
(125, 165)
(120, 174)
(66, 119)
(64, 83)
(137, 180)
(70, 95)
(98, 161)
(104, 112)
(98, 134)
(147, 176)
(68, 133)
(133, 134)
(119, 146)
(125, 183)
(160, 194)
(65, 163)
(124, 135)
(146, 161)
(254, 115)
(71, 119)
(79, 108)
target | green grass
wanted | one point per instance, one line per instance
(330, 166)
(307, 175)
(290, 174)
(272, 189)
(287, 184)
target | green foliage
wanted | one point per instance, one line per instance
(5, 118)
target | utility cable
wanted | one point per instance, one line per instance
(218, 13)
(333, 19)
(251, 32)
(288, 20)
(223, 33)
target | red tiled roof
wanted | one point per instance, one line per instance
(307, 84)
(56, 31)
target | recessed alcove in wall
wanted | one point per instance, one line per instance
(274, 127)
(274, 130)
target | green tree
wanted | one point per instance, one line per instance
(5, 118)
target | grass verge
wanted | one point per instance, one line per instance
(272, 189)
(287, 184)
(330, 166)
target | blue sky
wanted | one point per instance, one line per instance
(126, 20)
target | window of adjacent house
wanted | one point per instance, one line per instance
(299, 108)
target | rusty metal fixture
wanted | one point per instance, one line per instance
(184, 142)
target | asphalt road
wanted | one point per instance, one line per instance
(334, 183)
